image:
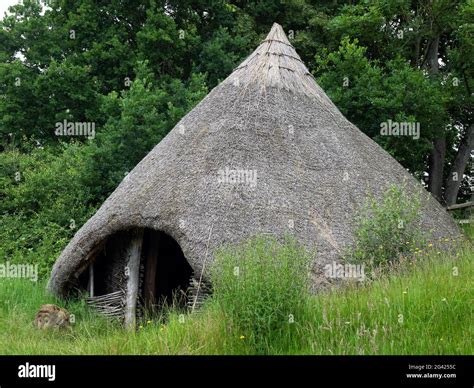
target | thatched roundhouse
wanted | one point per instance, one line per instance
(265, 152)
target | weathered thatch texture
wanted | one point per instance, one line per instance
(314, 169)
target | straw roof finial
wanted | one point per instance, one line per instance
(277, 34)
(275, 63)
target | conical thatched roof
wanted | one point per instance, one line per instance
(265, 152)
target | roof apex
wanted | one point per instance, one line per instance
(277, 34)
(276, 64)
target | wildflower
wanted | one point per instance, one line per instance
(430, 245)
(242, 337)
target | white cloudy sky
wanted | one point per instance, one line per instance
(4, 4)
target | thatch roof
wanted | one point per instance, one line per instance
(313, 170)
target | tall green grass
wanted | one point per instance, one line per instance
(421, 307)
(261, 286)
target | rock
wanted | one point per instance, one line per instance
(51, 316)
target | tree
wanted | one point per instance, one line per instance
(435, 37)
(370, 93)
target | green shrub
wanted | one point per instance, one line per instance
(387, 230)
(42, 203)
(262, 288)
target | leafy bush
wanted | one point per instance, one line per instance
(262, 288)
(388, 230)
(43, 202)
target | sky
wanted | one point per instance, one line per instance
(4, 4)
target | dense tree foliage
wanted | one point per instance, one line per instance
(133, 69)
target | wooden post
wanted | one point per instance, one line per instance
(91, 280)
(134, 250)
(460, 206)
(151, 264)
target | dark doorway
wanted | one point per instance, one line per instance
(163, 277)
(166, 271)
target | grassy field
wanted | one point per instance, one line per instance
(424, 307)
